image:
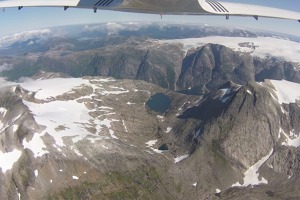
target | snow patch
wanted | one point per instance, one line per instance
(271, 166)
(180, 158)
(125, 126)
(76, 151)
(15, 127)
(36, 173)
(197, 134)
(3, 111)
(8, 159)
(168, 130)
(287, 92)
(36, 145)
(151, 143)
(224, 96)
(251, 175)
(290, 142)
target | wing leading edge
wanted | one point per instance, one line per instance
(178, 7)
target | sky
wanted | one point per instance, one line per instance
(12, 20)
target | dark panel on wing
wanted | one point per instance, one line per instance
(99, 3)
(218, 7)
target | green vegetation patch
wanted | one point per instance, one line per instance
(141, 183)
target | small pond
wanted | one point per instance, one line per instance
(159, 102)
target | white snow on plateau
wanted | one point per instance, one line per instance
(264, 46)
(8, 159)
(251, 175)
(57, 113)
(286, 91)
(53, 87)
(57, 119)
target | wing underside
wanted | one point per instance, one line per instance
(178, 7)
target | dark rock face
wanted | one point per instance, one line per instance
(157, 66)
(243, 125)
(275, 69)
(234, 117)
(213, 65)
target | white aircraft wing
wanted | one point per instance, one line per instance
(184, 7)
(239, 9)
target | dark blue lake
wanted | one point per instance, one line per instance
(159, 102)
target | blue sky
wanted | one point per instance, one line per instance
(12, 20)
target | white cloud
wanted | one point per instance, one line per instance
(24, 36)
(5, 67)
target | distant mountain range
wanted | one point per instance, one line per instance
(158, 53)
